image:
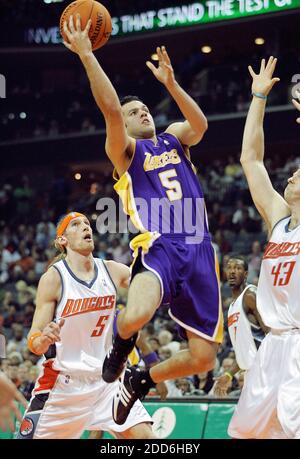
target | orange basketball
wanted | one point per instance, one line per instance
(101, 26)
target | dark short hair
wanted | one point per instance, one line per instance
(127, 99)
(236, 256)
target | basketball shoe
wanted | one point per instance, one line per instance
(134, 384)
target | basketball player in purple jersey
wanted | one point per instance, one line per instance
(172, 267)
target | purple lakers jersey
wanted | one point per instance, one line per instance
(160, 190)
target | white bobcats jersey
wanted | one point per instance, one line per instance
(278, 294)
(88, 310)
(243, 333)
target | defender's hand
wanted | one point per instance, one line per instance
(297, 104)
(164, 72)
(263, 82)
(79, 41)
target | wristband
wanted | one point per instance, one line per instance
(259, 95)
(30, 341)
(229, 375)
(150, 358)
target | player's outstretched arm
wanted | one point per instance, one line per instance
(118, 144)
(297, 104)
(271, 206)
(44, 331)
(191, 131)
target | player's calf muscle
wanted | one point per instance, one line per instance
(203, 353)
(132, 321)
(144, 297)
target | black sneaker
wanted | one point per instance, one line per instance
(115, 361)
(129, 391)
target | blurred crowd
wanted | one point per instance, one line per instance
(219, 86)
(28, 216)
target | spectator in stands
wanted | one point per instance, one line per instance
(23, 195)
(10, 255)
(239, 214)
(44, 235)
(233, 169)
(164, 353)
(12, 372)
(23, 377)
(217, 218)
(41, 261)
(226, 364)
(7, 299)
(27, 376)
(185, 386)
(9, 318)
(29, 357)
(124, 254)
(25, 293)
(164, 337)
(221, 241)
(102, 249)
(18, 338)
(235, 393)
(28, 316)
(154, 343)
(26, 261)
(204, 382)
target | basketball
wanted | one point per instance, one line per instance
(101, 26)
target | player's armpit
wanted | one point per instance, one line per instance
(185, 134)
(270, 204)
(119, 273)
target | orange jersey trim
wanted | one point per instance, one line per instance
(48, 379)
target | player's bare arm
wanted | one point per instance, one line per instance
(297, 104)
(191, 131)
(119, 146)
(270, 204)
(48, 294)
(250, 307)
(119, 273)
